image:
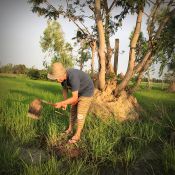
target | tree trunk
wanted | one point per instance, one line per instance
(138, 82)
(93, 48)
(109, 67)
(116, 55)
(140, 75)
(101, 50)
(149, 80)
(131, 62)
(81, 65)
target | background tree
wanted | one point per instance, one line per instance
(84, 55)
(19, 69)
(54, 45)
(6, 68)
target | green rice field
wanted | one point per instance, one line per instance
(145, 146)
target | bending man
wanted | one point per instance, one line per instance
(82, 93)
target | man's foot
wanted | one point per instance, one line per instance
(74, 140)
(66, 133)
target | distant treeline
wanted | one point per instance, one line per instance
(32, 73)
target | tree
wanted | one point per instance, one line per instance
(6, 68)
(100, 15)
(105, 24)
(83, 55)
(19, 69)
(160, 44)
(52, 43)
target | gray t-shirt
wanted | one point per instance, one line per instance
(78, 80)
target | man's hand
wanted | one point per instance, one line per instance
(64, 107)
(60, 105)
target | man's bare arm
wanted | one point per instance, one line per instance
(65, 92)
(71, 100)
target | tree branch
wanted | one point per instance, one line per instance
(131, 62)
(112, 5)
(69, 17)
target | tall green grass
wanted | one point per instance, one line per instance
(144, 146)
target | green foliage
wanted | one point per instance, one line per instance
(36, 74)
(84, 55)
(16, 69)
(165, 46)
(33, 73)
(19, 69)
(6, 68)
(53, 42)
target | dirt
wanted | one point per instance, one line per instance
(106, 105)
(65, 149)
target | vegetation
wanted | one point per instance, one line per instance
(145, 146)
(14, 69)
(32, 73)
(53, 44)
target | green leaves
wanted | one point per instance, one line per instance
(53, 43)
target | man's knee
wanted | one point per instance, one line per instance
(80, 117)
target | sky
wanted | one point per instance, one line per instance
(20, 32)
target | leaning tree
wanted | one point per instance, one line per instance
(106, 18)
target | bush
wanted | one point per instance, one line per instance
(36, 74)
(33, 74)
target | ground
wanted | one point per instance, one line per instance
(144, 146)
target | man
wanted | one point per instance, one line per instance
(82, 93)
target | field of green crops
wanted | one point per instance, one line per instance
(145, 146)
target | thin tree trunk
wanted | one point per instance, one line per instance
(162, 85)
(81, 65)
(131, 62)
(116, 55)
(109, 67)
(101, 50)
(138, 82)
(140, 75)
(93, 48)
(149, 80)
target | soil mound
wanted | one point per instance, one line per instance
(106, 105)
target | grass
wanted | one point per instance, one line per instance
(145, 146)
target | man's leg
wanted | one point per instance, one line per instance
(72, 118)
(82, 110)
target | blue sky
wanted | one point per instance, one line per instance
(20, 33)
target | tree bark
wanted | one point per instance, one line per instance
(101, 50)
(138, 81)
(116, 55)
(93, 48)
(131, 62)
(140, 75)
(109, 67)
